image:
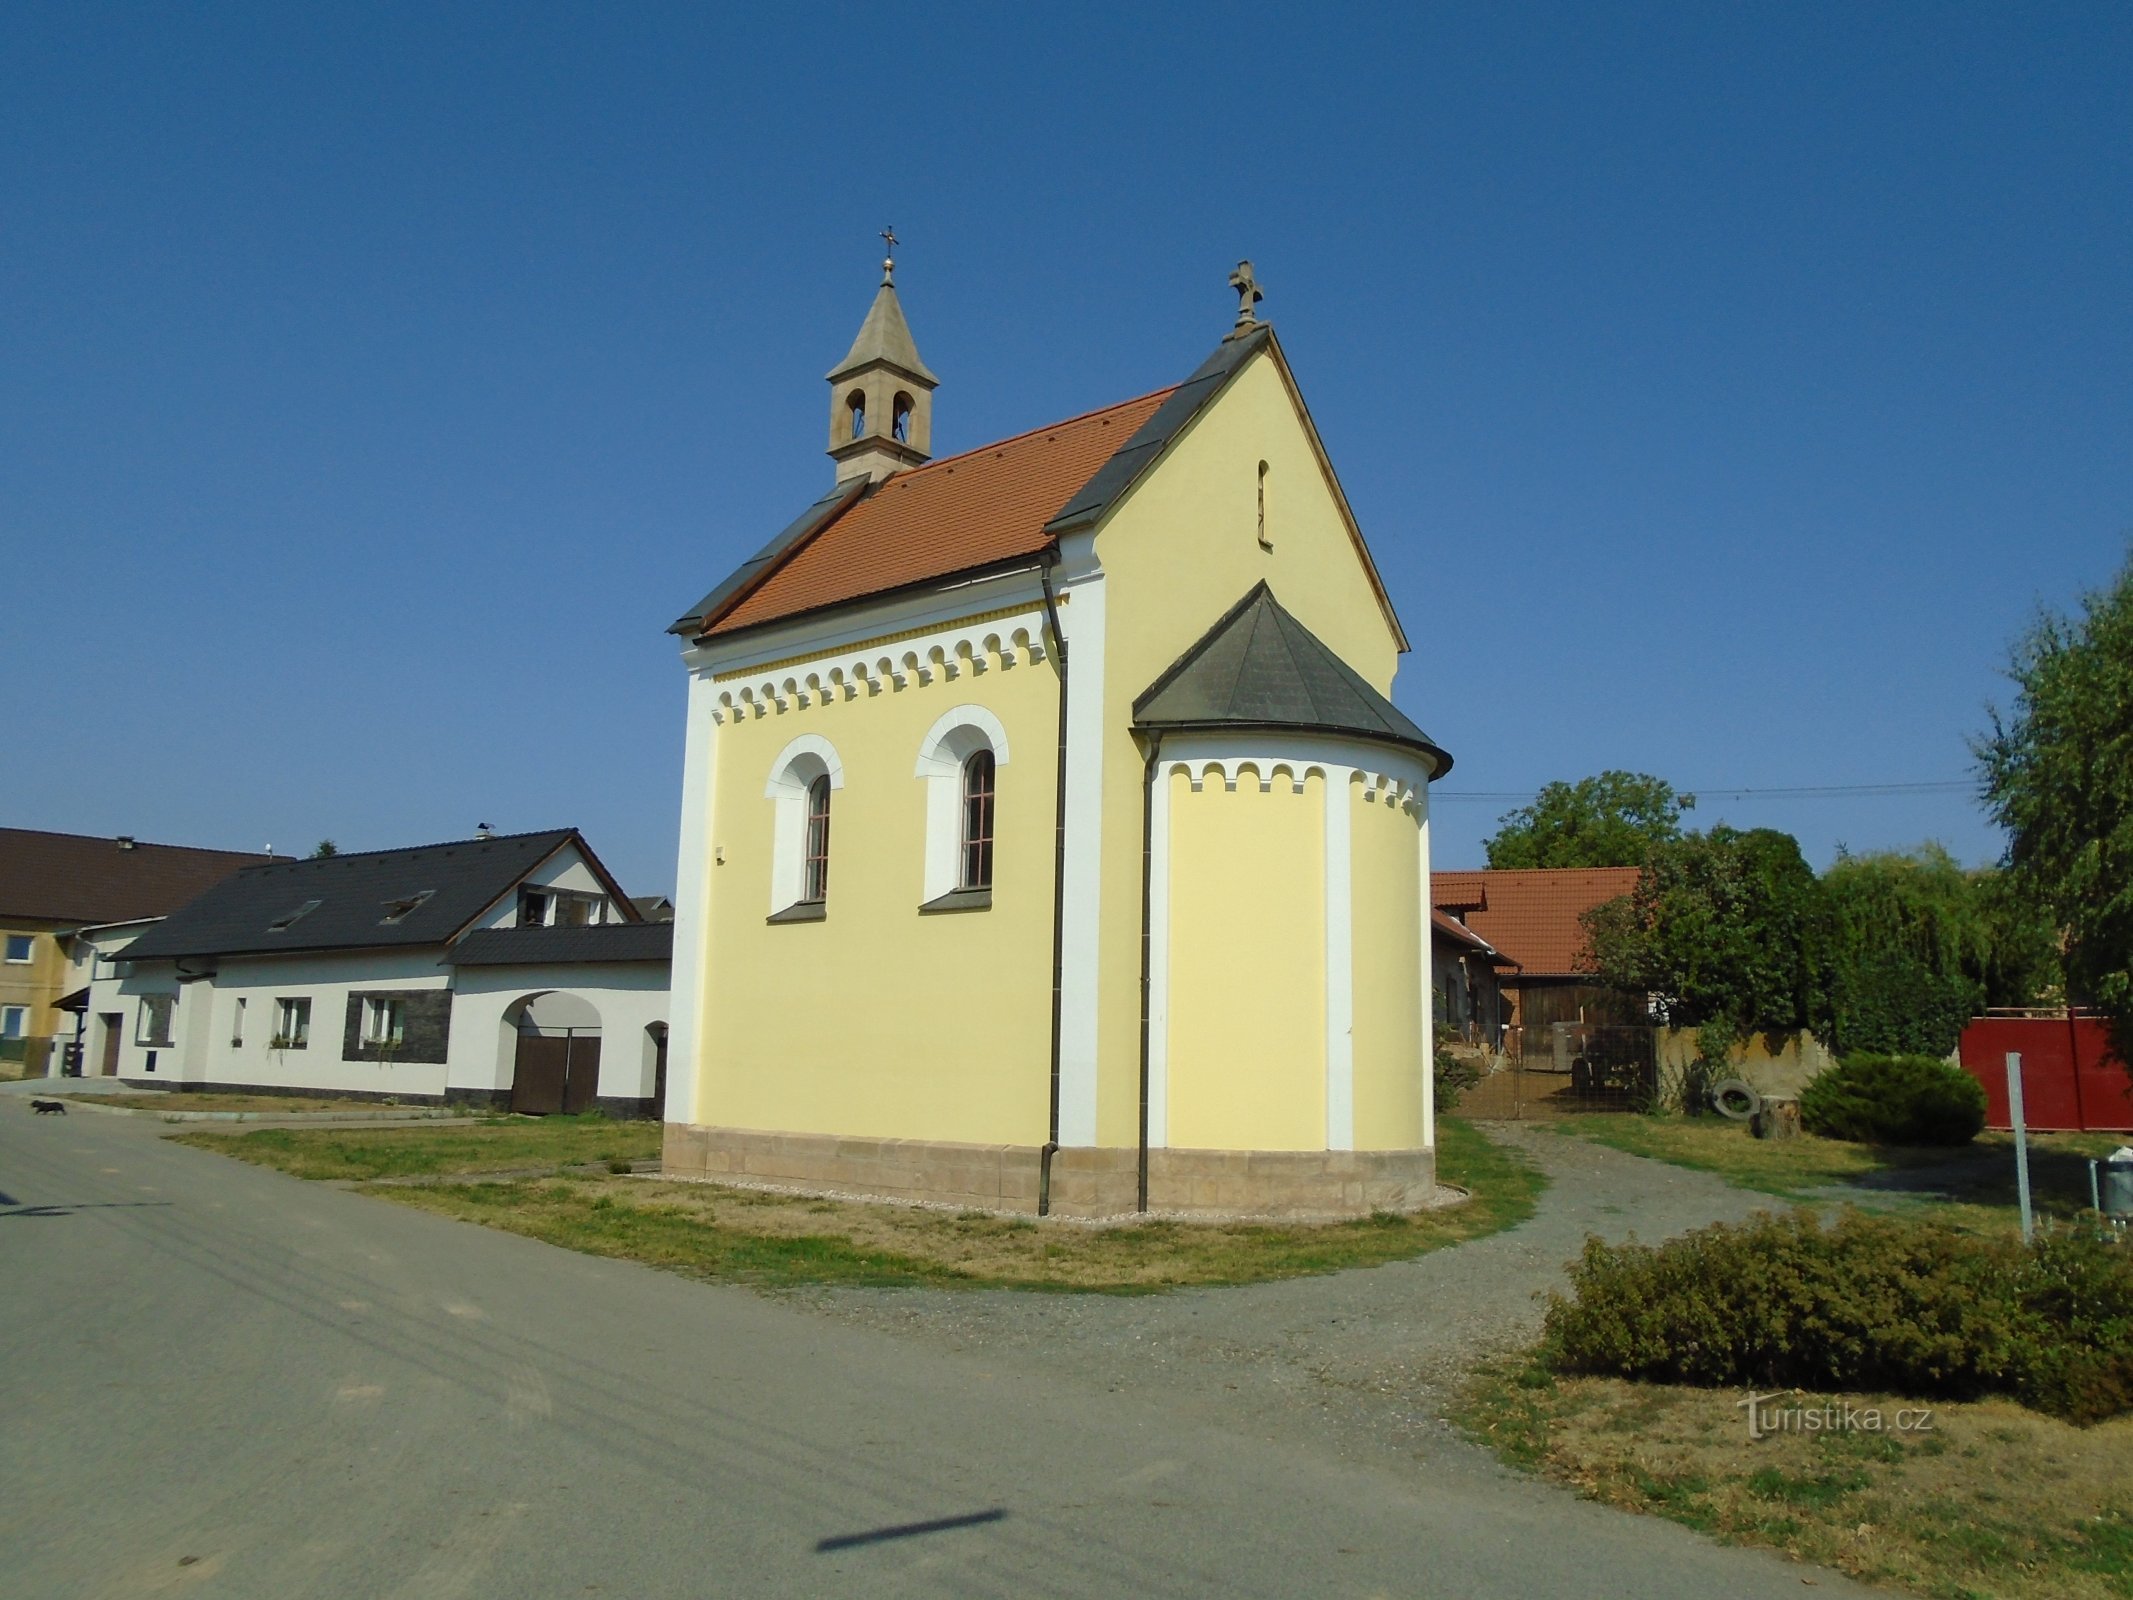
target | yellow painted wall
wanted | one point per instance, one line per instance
(36, 983)
(1179, 552)
(1386, 899)
(878, 1021)
(1246, 1043)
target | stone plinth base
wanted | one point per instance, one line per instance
(1086, 1182)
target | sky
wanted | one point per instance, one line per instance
(1722, 388)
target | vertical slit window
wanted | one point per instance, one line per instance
(977, 821)
(815, 879)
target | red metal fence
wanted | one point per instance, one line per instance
(2070, 1079)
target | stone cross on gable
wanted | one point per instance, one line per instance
(1249, 293)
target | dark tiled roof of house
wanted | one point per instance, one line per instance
(1532, 913)
(596, 942)
(72, 877)
(377, 899)
(1258, 667)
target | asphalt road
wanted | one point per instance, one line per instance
(219, 1381)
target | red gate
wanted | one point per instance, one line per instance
(2071, 1082)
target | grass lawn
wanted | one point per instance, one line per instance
(439, 1148)
(1968, 1187)
(750, 1236)
(167, 1100)
(1994, 1501)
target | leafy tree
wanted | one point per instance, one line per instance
(2058, 776)
(1608, 821)
(326, 847)
(1910, 952)
(1728, 931)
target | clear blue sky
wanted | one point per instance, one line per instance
(1721, 387)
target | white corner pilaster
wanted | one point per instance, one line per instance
(1340, 967)
(1159, 961)
(1082, 620)
(1428, 986)
(686, 1009)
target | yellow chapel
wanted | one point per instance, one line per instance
(1049, 839)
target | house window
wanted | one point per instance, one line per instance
(960, 761)
(397, 910)
(384, 1019)
(237, 1025)
(815, 877)
(977, 822)
(12, 1021)
(292, 1023)
(20, 947)
(802, 779)
(294, 917)
(574, 910)
(533, 908)
(153, 1025)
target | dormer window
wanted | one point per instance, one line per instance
(533, 908)
(560, 908)
(398, 910)
(282, 924)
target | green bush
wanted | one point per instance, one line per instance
(1454, 1075)
(1870, 1303)
(1894, 1100)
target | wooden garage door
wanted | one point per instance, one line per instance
(555, 1074)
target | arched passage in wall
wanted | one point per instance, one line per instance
(551, 1041)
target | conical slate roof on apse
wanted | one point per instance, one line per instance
(1258, 667)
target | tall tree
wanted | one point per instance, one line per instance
(2058, 776)
(1912, 948)
(1726, 930)
(1610, 821)
(326, 847)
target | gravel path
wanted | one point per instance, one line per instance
(1375, 1352)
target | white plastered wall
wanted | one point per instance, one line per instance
(629, 997)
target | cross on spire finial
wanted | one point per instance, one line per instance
(1249, 294)
(888, 261)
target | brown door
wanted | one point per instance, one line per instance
(538, 1078)
(581, 1082)
(114, 1023)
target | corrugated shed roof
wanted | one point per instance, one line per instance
(961, 514)
(72, 877)
(377, 899)
(1258, 667)
(596, 942)
(1532, 913)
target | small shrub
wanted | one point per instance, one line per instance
(1871, 1303)
(1454, 1074)
(1913, 1100)
(617, 1165)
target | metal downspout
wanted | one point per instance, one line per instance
(1155, 746)
(1059, 656)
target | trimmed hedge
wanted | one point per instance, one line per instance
(1912, 1100)
(1871, 1303)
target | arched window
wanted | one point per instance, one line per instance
(815, 867)
(856, 404)
(900, 423)
(977, 821)
(802, 779)
(959, 761)
(1266, 539)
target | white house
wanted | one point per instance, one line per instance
(507, 971)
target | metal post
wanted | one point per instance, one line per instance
(2021, 1133)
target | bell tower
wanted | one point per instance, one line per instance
(881, 395)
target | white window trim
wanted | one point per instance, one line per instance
(384, 1019)
(285, 1012)
(953, 739)
(143, 1011)
(21, 1018)
(26, 959)
(798, 765)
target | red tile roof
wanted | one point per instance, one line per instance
(959, 514)
(1531, 915)
(72, 877)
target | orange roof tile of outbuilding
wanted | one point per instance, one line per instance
(1532, 913)
(958, 514)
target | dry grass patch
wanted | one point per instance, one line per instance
(709, 1231)
(1992, 1501)
(167, 1100)
(1971, 1186)
(438, 1148)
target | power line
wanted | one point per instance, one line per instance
(1819, 791)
